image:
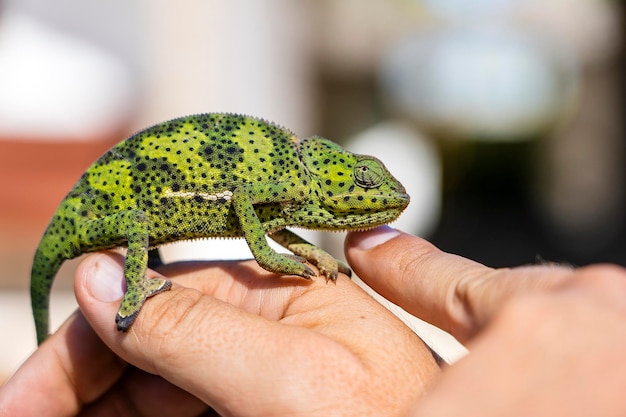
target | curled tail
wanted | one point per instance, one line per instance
(55, 247)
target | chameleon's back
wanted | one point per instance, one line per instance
(173, 172)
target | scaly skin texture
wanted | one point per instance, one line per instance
(213, 175)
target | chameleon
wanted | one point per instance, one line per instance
(213, 175)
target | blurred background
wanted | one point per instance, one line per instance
(503, 118)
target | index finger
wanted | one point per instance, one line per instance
(454, 293)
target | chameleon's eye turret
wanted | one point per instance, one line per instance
(368, 173)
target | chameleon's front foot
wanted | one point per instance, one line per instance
(135, 297)
(287, 264)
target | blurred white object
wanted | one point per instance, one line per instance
(54, 85)
(489, 82)
(469, 9)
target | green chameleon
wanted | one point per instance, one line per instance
(213, 175)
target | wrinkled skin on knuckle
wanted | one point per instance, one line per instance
(167, 323)
(413, 261)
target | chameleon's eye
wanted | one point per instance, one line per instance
(368, 173)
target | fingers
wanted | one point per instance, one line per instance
(452, 292)
(73, 367)
(138, 393)
(234, 359)
(544, 354)
(74, 373)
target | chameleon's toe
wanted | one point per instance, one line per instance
(297, 266)
(308, 273)
(124, 322)
(331, 267)
(327, 268)
(344, 268)
(294, 257)
(135, 297)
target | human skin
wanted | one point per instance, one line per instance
(229, 335)
(544, 340)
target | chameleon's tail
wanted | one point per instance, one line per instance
(53, 250)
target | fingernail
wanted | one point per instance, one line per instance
(372, 238)
(105, 281)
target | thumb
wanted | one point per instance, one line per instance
(449, 291)
(170, 336)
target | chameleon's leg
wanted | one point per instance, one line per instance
(130, 226)
(254, 234)
(325, 262)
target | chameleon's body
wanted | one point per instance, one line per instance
(212, 175)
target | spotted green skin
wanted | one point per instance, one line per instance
(213, 175)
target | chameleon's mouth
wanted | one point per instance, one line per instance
(361, 223)
(370, 202)
(373, 211)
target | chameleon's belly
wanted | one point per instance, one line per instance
(192, 219)
(207, 219)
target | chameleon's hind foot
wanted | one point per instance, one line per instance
(328, 266)
(135, 298)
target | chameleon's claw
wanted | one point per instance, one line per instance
(308, 273)
(331, 276)
(344, 268)
(332, 269)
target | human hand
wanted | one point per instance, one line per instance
(228, 335)
(544, 340)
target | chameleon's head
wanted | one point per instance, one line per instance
(356, 191)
